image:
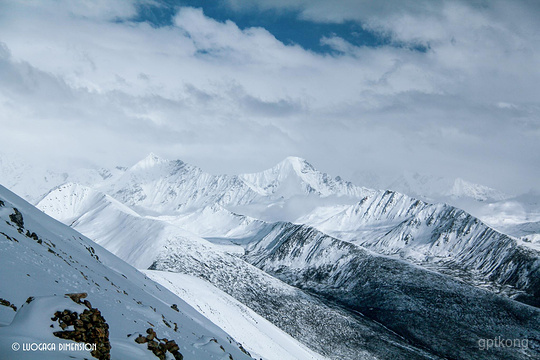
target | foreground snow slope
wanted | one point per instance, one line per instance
(42, 258)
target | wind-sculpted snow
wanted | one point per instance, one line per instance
(433, 311)
(42, 259)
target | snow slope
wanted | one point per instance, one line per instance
(259, 336)
(44, 259)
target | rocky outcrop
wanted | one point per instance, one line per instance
(88, 327)
(159, 347)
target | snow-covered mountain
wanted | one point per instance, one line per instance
(441, 235)
(295, 176)
(307, 251)
(158, 186)
(153, 243)
(42, 259)
(229, 207)
(431, 310)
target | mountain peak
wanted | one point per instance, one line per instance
(297, 163)
(149, 161)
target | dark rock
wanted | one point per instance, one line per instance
(140, 339)
(90, 327)
(8, 304)
(17, 218)
(76, 297)
(160, 347)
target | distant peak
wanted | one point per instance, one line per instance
(294, 159)
(149, 161)
(154, 157)
(296, 162)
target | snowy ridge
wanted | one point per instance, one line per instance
(401, 296)
(164, 187)
(395, 224)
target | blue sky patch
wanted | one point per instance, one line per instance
(284, 25)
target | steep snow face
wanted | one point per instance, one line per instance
(68, 202)
(42, 258)
(407, 299)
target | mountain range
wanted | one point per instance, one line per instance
(328, 268)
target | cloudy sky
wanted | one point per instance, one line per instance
(449, 88)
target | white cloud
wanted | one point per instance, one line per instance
(75, 84)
